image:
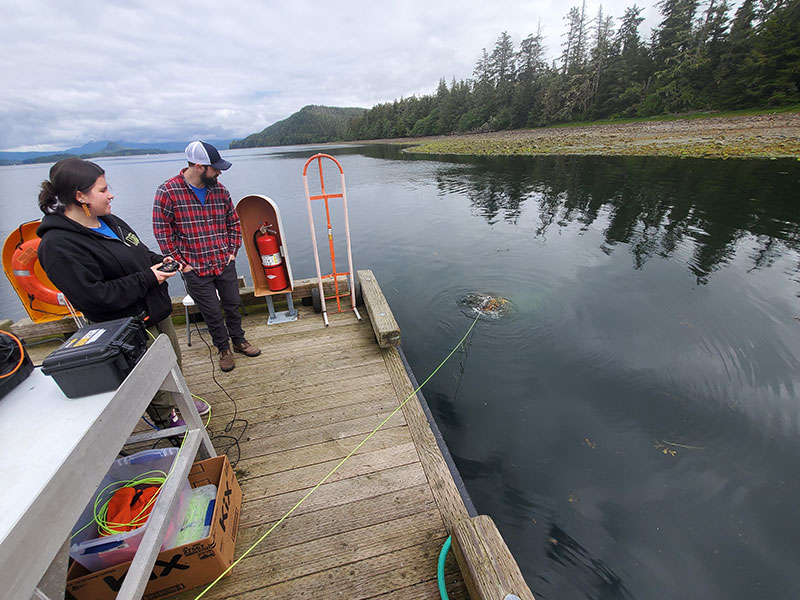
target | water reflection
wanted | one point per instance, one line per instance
(653, 206)
(598, 580)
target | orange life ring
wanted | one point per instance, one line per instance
(22, 264)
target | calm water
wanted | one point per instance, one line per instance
(633, 425)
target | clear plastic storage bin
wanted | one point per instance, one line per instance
(97, 553)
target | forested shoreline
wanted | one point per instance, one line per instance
(699, 58)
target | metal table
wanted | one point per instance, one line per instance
(54, 452)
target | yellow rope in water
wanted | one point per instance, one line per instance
(336, 468)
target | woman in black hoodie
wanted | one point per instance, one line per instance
(98, 262)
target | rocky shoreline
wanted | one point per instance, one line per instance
(760, 136)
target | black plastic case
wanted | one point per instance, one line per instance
(98, 357)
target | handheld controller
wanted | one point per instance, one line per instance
(169, 267)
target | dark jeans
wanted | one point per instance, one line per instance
(204, 290)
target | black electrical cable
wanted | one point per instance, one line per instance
(41, 310)
(234, 439)
(8, 361)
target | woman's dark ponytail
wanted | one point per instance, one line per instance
(48, 202)
(67, 177)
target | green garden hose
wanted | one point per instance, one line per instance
(440, 570)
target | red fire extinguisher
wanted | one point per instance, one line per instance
(271, 258)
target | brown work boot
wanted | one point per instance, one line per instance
(247, 349)
(226, 360)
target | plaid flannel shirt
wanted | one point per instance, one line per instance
(200, 235)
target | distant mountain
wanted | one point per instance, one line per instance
(14, 158)
(87, 148)
(110, 149)
(96, 148)
(91, 147)
(47, 158)
(310, 125)
(115, 149)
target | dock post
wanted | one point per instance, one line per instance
(486, 563)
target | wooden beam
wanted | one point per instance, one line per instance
(302, 289)
(28, 330)
(387, 331)
(441, 481)
(489, 569)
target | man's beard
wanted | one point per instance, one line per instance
(208, 181)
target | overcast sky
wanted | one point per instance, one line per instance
(173, 70)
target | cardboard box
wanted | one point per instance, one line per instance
(184, 567)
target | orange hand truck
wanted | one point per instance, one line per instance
(318, 295)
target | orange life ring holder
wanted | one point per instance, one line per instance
(23, 262)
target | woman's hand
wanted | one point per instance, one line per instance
(161, 276)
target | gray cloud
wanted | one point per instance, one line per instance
(173, 70)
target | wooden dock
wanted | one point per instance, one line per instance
(375, 528)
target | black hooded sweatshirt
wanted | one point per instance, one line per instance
(102, 277)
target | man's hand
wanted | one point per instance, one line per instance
(231, 258)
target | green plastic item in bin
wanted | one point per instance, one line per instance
(197, 522)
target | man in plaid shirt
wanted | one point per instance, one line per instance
(194, 222)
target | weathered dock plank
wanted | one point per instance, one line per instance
(341, 548)
(264, 507)
(306, 476)
(362, 579)
(256, 464)
(305, 344)
(428, 590)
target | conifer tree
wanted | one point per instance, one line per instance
(674, 59)
(772, 67)
(729, 75)
(630, 69)
(601, 55)
(503, 69)
(531, 68)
